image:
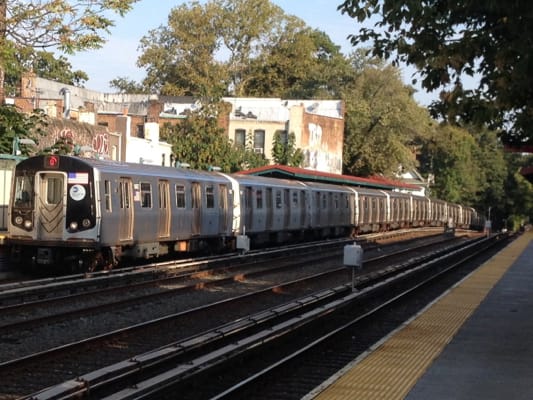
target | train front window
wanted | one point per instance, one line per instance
(54, 190)
(24, 191)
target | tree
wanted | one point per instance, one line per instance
(15, 125)
(448, 41)
(238, 48)
(519, 201)
(180, 58)
(383, 123)
(125, 85)
(66, 25)
(300, 63)
(284, 151)
(199, 141)
(451, 155)
(45, 65)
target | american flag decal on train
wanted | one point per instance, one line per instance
(81, 178)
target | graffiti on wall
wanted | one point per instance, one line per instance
(100, 140)
(318, 154)
(101, 143)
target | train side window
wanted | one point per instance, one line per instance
(336, 200)
(248, 198)
(107, 195)
(269, 199)
(259, 199)
(278, 199)
(180, 196)
(209, 196)
(295, 199)
(146, 195)
(324, 201)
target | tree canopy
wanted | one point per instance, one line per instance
(448, 41)
(383, 123)
(66, 25)
(237, 48)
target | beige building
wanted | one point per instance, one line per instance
(318, 126)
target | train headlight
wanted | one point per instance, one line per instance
(73, 226)
(18, 220)
(27, 224)
(86, 223)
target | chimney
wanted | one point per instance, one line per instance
(66, 102)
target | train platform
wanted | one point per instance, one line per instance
(474, 342)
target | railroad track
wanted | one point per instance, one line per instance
(128, 342)
(314, 343)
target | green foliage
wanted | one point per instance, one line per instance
(14, 124)
(45, 65)
(383, 123)
(451, 41)
(65, 24)
(125, 85)
(456, 168)
(180, 58)
(239, 48)
(517, 206)
(284, 151)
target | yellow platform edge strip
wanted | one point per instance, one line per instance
(391, 368)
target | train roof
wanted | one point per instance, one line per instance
(120, 167)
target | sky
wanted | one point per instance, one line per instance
(117, 58)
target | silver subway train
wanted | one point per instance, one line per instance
(87, 213)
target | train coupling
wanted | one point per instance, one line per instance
(45, 256)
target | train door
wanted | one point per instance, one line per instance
(269, 209)
(51, 205)
(223, 206)
(126, 209)
(248, 208)
(287, 208)
(164, 209)
(303, 208)
(196, 202)
(318, 210)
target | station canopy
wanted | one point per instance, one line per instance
(302, 174)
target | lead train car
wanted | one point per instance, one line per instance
(88, 213)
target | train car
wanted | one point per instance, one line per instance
(88, 213)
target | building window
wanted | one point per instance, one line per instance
(259, 141)
(240, 137)
(140, 131)
(103, 124)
